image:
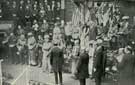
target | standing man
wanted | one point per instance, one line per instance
(127, 68)
(75, 56)
(39, 50)
(21, 13)
(57, 61)
(99, 62)
(91, 51)
(21, 49)
(12, 47)
(82, 67)
(14, 10)
(31, 42)
(44, 27)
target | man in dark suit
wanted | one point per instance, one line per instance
(57, 61)
(12, 48)
(99, 62)
(82, 67)
(127, 68)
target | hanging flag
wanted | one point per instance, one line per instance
(62, 4)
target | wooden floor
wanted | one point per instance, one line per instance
(29, 75)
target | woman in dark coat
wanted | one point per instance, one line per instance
(126, 68)
(82, 67)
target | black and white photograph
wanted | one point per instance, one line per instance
(67, 42)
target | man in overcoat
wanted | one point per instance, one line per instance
(12, 47)
(57, 61)
(82, 67)
(99, 62)
(127, 68)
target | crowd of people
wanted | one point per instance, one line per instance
(92, 45)
(27, 10)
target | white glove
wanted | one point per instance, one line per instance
(94, 69)
(17, 53)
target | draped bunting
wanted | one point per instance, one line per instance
(76, 17)
(105, 16)
(80, 16)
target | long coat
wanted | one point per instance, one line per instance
(56, 59)
(99, 62)
(127, 69)
(82, 67)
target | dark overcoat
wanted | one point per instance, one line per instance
(127, 69)
(82, 67)
(57, 59)
(99, 62)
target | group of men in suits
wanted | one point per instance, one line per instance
(27, 10)
(125, 67)
(82, 70)
(81, 73)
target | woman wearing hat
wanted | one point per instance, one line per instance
(46, 59)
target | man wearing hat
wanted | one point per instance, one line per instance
(57, 61)
(125, 24)
(56, 32)
(99, 62)
(127, 68)
(82, 67)
(21, 45)
(12, 47)
(91, 50)
(44, 27)
(75, 55)
(124, 30)
(32, 48)
(39, 50)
